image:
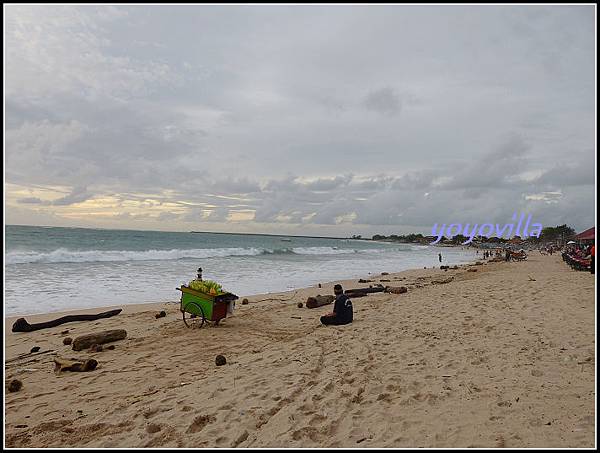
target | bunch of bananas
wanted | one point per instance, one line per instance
(206, 287)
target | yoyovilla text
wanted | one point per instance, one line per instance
(488, 230)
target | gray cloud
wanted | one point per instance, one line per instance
(77, 195)
(494, 169)
(30, 200)
(370, 119)
(569, 174)
(385, 101)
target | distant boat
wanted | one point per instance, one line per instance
(286, 240)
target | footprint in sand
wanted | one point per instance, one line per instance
(317, 419)
(153, 428)
(386, 397)
(221, 440)
(199, 423)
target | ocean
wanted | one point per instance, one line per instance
(49, 269)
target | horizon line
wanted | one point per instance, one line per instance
(194, 232)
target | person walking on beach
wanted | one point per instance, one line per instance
(592, 259)
(342, 310)
(440, 257)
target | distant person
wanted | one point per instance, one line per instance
(342, 309)
(507, 255)
(593, 259)
(440, 257)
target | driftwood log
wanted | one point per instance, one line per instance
(361, 292)
(396, 289)
(318, 301)
(85, 341)
(21, 325)
(74, 365)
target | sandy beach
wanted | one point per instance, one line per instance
(501, 357)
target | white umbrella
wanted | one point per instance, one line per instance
(571, 242)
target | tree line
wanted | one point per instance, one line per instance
(559, 233)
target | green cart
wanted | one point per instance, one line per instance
(197, 307)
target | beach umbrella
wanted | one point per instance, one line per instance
(571, 242)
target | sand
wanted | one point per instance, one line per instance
(489, 359)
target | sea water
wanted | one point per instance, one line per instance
(50, 269)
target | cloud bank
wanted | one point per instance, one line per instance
(347, 119)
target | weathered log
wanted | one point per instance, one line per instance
(85, 341)
(21, 325)
(318, 301)
(360, 292)
(74, 365)
(396, 289)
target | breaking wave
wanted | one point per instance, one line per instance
(85, 256)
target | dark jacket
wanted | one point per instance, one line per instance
(343, 308)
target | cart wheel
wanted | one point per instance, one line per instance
(191, 320)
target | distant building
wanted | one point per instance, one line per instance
(586, 236)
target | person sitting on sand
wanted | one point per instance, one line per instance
(342, 310)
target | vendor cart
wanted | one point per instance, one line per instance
(198, 307)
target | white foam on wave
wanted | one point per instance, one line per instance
(75, 256)
(64, 255)
(322, 251)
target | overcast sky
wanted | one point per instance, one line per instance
(329, 120)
